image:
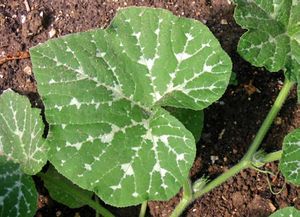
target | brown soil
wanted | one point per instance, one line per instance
(230, 124)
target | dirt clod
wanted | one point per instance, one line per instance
(33, 24)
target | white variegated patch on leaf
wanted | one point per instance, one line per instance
(104, 93)
(286, 212)
(21, 131)
(290, 160)
(18, 196)
(273, 36)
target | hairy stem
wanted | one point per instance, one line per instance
(273, 156)
(222, 178)
(143, 209)
(187, 189)
(246, 162)
(187, 198)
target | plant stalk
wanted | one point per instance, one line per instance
(77, 194)
(187, 198)
(143, 208)
(187, 189)
(97, 201)
(222, 178)
(246, 161)
(273, 156)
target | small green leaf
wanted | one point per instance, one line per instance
(273, 36)
(21, 130)
(290, 160)
(18, 196)
(286, 212)
(104, 93)
(192, 120)
(200, 183)
(233, 80)
(61, 189)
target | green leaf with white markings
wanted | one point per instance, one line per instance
(18, 196)
(286, 212)
(104, 93)
(192, 120)
(63, 190)
(21, 130)
(290, 160)
(273, 36)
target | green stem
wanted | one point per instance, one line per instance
(80, 196)
(143, 209)
(234, 170)
(274, 156)
(97, 201)
(222, 178)
(246, 162)
(184, 202)
(187, 189)
(187, 198)
(284, 92)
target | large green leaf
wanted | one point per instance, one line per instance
(273, 36)
(286, 212)
(104, 92)
(63, 190)
(290, 160)
(18, 196)
(21, 130)
(192, 120)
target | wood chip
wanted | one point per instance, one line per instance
(271, 206)
(17, 56)
(27, 6)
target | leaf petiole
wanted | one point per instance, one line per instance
(246, 162)
(143, 208)
(82, 197)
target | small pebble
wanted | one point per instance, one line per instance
(27, 70)
(214, 158)
(77, 214)
(203, 21)
(224, 22)
(278, 121)
(58, 213)
(23, 19)
(52, 33)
